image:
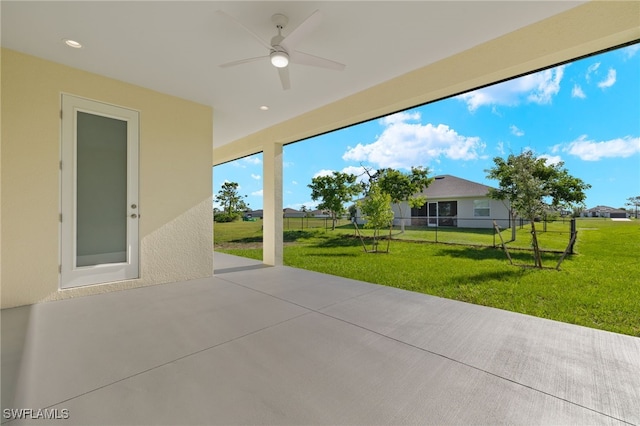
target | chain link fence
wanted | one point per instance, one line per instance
(302, 223)
(554, 234)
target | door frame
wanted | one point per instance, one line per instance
(71, 275)
(432, 220)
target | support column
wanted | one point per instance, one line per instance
(272, 204)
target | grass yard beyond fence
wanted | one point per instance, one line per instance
(599, 287)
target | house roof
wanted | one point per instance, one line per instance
(447, 186)
(605, 209)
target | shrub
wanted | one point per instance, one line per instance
(226, 217)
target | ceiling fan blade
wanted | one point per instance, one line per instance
(247, 29)
(291, 41)
(315, 61)
(284, 78)
(243, 61)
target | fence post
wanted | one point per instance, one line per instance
(494, 234)
(573, 232)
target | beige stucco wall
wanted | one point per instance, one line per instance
(175, 179)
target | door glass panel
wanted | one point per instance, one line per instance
(101, 190)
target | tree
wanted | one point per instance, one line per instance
(376, 210)
(404, 187)
(530, 184)
(633, 202)
(231, 202)
(334, 190)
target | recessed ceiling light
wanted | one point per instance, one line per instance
(72, 43)
(264, 107)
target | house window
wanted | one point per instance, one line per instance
(481, 208)
(419, 211)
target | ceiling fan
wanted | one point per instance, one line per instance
(282, 48)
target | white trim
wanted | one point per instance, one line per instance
(105, 258)
(72, 275)
(429, 217)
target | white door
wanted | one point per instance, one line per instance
(99, 193)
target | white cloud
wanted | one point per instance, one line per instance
(359, 171)
(402, 145)
(256, 177)
(593, 68)
(516, 131)
(538, 88)
(548, 85)
(551, 159)
(609, 81)
(589, 150)
(310, 205)
(630, 51)
(577, 92)
(294, 182)
(254, 159)
(354, 170)
(323, 172)
(400, 117)
(500, 148)
(257, 193)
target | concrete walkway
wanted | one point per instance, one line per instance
(261, 345)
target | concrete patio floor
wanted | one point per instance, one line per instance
(277, 345)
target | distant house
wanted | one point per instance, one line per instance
(453, 202)
(319, 213)
(605, 211)
(289, 212)
(254, 214)
(456, 202)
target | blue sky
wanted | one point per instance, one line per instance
(586, 113)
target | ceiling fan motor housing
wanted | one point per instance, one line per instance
(279, 55)
(280, 20)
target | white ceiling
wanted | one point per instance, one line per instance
(175, 47)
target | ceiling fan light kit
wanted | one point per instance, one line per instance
(279, 59)
(282, 48)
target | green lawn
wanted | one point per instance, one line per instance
(599, 287)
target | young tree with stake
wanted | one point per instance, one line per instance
(530, 184)
(404, 187)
